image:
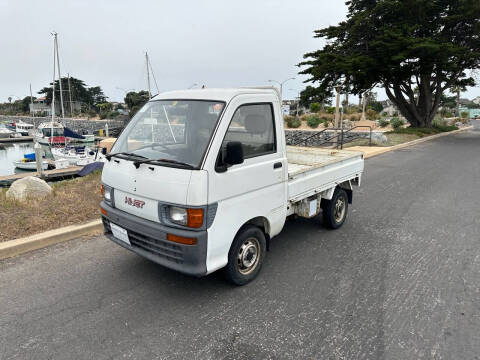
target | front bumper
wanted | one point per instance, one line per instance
(149, 239)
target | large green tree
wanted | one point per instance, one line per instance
(401, 45)
(90, 96)
(312, 94)
(136, 100)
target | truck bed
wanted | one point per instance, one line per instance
(313, 170)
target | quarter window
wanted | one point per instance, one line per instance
(253, 126)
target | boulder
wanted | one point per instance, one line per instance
(28, 187)
(379, 138)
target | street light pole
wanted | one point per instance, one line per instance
(280, 83)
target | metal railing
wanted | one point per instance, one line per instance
(340, 137)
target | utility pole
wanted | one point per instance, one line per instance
(364, 106)
(337, 116)
(70, 94)
(59, 74)
(148, 76)
(458, 101)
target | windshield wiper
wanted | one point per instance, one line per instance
(109, 156)
(149, 161)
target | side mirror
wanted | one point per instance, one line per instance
(104, 151)
(233, 156)
(233, 153)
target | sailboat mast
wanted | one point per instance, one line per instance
(53, 90)
(31, 102)
(148, 76)
(59, 77)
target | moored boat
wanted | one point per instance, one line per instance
(24, 128)
(5, 133)
(28, 164)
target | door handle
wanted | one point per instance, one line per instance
(277, 165)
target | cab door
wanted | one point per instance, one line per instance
(254, 188)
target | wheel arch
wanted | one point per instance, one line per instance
(262, 223)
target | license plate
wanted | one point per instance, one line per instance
(120, 233)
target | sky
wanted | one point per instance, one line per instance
(206, 42)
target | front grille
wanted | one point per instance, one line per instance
(158, 247)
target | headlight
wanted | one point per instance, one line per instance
(107, 192)
(190, 217)
(178, 215)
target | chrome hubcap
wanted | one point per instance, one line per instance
(339, 211)
(248, 256)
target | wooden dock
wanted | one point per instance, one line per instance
(49, 175)
(16, 140)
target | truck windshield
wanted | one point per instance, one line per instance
(175, 131)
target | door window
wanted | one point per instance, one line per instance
(253, 126)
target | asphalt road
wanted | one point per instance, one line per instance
(401, 280)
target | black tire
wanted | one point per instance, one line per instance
(332, 218)
(248, 246)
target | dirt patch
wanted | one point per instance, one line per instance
(71, 202)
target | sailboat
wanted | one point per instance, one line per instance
(51, 132)
(54, 133)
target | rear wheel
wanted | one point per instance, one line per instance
(246, 256)
(335, 210)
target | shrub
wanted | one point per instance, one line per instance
(313, 121)
(439, 122)
(354, 117)
(330, 109)
(293, 122)
(315, 107)
(442, 126)
(396, 123)
(464, 115)
(383, 123)
(371, 114)
(288, 118)
(304, 117)
(325, 120)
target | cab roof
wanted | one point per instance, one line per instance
(218, 94)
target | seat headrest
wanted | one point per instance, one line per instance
(256, 124)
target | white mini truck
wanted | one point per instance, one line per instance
(201, 180)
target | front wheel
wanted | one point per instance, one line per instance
(335, 210)
(246, 256)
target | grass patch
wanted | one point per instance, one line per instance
(421, 132)
(71, 202)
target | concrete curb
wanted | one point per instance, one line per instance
(414, 142)
(16, 247)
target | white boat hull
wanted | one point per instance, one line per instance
(29, 165)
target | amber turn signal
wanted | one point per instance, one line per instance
(194, 218)
(181, 239)
(103, 211)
